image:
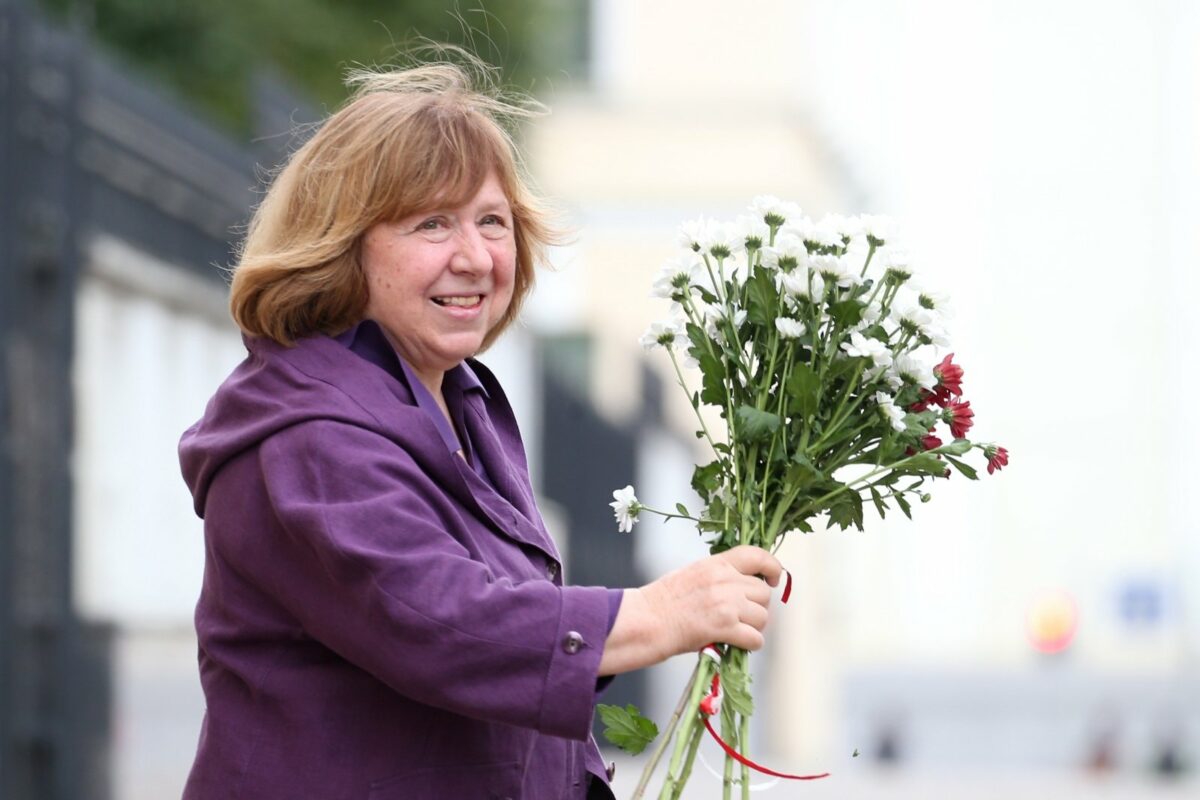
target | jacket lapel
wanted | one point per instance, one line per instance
(392, 405)
(509, 493)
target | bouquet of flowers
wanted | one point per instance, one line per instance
(819, 350)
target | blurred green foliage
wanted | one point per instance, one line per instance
(209, 50)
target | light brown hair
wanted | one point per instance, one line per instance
(407, 140)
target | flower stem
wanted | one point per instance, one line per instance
(688, 721)
(665, 739)
(666, 514)
(820, 501)
(693, 747)
(696, 408)
(835, 420)
(744, 742)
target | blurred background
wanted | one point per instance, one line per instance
(1036, 634)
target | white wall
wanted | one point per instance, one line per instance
(152, 344)
(150, 350)
(1042, 158)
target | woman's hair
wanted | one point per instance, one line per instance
(405, 141)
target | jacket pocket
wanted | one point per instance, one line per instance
(468, 782)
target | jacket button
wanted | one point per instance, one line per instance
(611, 770)
(572, 642)
(552, 570)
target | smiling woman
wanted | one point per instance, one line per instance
(440, 281)
(383, 613)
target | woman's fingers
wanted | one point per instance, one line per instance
(753, 615)
(757, 590)
(750, 560)
(746, 637)
(722, 598)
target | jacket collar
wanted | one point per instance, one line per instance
(389, 407)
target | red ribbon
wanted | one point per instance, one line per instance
(711, 705)
(741, 759)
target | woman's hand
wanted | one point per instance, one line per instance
(717, 599)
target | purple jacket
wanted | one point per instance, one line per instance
(376, 620)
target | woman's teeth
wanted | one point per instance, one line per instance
(468, 300)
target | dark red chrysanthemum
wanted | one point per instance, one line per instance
(997, 458)
(930, 442)
(927, 398)
(959, 416)
(949, 376)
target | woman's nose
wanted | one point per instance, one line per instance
(472, 254)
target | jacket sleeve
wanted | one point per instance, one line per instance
(368, 565)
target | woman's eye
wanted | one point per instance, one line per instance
(430, 225)
(494, 219)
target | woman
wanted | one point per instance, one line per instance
(383, 613)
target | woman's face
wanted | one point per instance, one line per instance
(440, 279)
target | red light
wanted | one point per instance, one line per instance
(1052, 621)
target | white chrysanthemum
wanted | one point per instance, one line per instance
(913, 319)
(714, 320)
(677, 274)
(870, 315)
(835, 270)
(844, 227)
(802, 283)
(937, 335)
(894, 263)
(692, 233)
(774, 211)
(937, 302)
(861, 346)
(825, 233)
(787, 254)
(722, 240)
(877, 228)
(668, 334)
(789, 328)
(625, 508)
(891, 411)
(707, 236)
(752, 232)
(909, 368)
(919, 321)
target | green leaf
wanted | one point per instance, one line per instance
(847, 510)
(803, 470)
(735, 684)
(880, 506)
(799, 525)
(965, 469)
(804, 390)
(764, 300)
(753, 425)
(841, 369)
(706, 479)
(959, 447)
(682, 509)
(904, 506)
(922, 464)
(918, 424)
(627, 728)
(847, 313)
(713, 379)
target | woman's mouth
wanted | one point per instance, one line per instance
(459, 300)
